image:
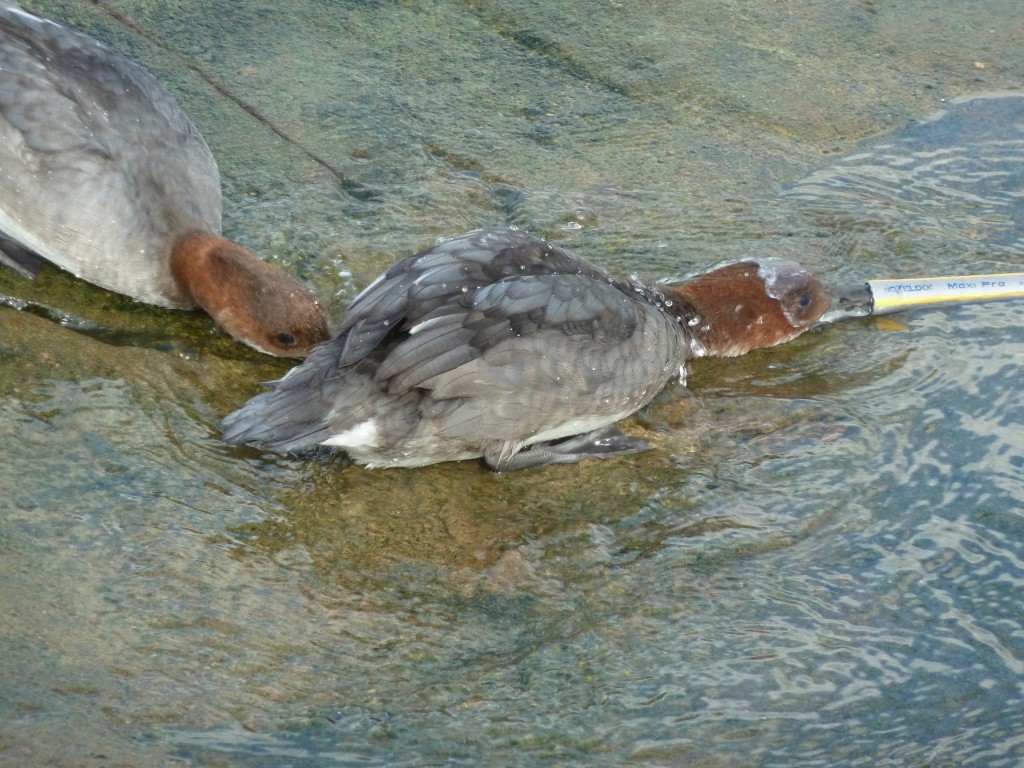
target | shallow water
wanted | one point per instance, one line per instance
(819, 563)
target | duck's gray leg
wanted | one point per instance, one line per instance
(602, 443)
(20, 259)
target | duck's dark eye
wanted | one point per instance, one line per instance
(804, 301)
(285, 339)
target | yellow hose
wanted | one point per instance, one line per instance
(897, 295)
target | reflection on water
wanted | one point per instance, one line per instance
(950, 188)
(819, 563)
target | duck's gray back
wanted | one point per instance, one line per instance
(485, 344)
(100, 169)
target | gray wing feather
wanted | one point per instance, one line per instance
(414, 288)
(472, 331)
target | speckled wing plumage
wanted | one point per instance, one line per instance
(416, 286)
(101, 168)
(486, 343)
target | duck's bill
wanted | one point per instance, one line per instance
(880, 297)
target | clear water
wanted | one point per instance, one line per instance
(821, 561)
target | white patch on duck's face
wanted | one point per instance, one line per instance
(253, 345)
(782, 277)
(362, 435)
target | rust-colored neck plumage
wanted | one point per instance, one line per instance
(749, 305)
(253, 301)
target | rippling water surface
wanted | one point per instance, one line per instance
(819, 563)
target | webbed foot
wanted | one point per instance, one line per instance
(600, 444)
